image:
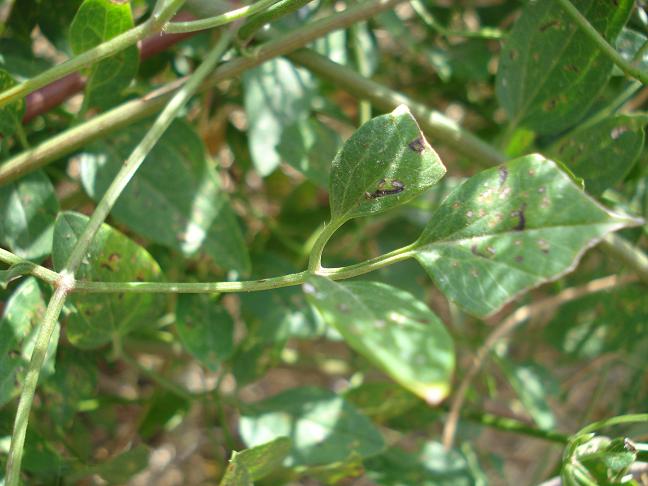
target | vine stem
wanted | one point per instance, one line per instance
(129, 112)
(66, 283)
(106, 49)
(521, 315)
(600, 41)
(315, 259)
(217, 21)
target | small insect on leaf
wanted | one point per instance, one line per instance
(386, 188)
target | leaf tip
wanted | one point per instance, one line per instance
(401, 110)
(434, 394)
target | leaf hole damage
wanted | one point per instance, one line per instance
(386, 188)
(417, 145)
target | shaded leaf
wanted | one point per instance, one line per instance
(28, 208)
(603, 154)
(382, 400)
(392, 329)
(255, 463)
(431, 466)
(118, 469)
(276, 94)
(205, 328)
(628, 44)
(323, 427)
(164, 408)
(187, 211)
(309, 146)
(384, 164)
(10, 114)
(550, 71)
(509, 229)
(533, 384)
(111, 257)
(95, 22)
(23, 315)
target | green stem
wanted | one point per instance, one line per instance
(140, 152)
(432, 122)
(515, 426)
(621, 419)
(29, 385)
(342, 273)
(603, 45)
(635, 259)
(279, 9)
(76, 137)
(45, 274)
(217, 21)
(66, 280)
(315, 260)
(362, 63)
(91, 56)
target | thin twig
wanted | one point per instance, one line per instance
(518, 317)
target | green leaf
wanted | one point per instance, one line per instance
(381, 401)
(550, 71)
(431, 466)
(628, 44)
(10, 114)
(276, 94)
(384, 164)
(509, 229)
(112, 257)
(164, 411)
(95, 22)
(323, 427)
(255, 463)
(28, 208)
(603, 153)
(119, 469)
(14, 272)
(205, 329)
(611, 321)
(309, 146)
(21, 321)
(533, 384)
(187, 211)
(392, 329)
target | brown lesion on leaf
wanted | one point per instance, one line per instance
(555, 23)
(513, 54)
(571, 68)
(417, 145)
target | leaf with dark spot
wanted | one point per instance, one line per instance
(496, 244)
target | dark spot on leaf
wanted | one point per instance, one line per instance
(106, 266)
(571, 68)
(139, 277)
(551, 104)
(503, 174)
(475, 251)
(120, 296)
(519, 258)
(513, 54)
(417, 145)
(551, 23)
(521, 219)
(114, 257)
